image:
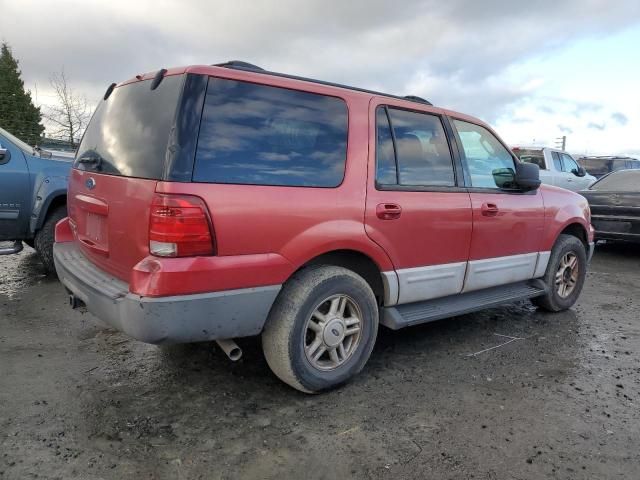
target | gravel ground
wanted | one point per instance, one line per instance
(78, 400)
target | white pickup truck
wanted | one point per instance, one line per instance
(556, 167)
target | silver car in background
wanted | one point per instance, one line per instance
(557, 167)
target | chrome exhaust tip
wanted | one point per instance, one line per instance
(231, 348)
(75, 302)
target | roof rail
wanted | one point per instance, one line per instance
(415, 98)
(240, 65)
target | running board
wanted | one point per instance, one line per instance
(410, 314)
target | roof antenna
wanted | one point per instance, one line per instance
(158, 78)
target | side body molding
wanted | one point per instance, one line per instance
(417, 284)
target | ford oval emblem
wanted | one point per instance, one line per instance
(90, 183)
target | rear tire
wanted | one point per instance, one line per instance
(565, 274)
(45, 237)
(321, 329)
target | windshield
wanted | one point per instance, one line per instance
(16, 141)
(619, 181)
(129, 132)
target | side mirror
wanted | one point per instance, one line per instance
(579, 172)
(527, 176)
(504, 178)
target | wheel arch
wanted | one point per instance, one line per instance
(357, 262)
(577, 230)
(51, 195)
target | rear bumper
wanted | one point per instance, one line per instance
(161, 320)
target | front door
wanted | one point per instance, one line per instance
(15, 202)
(507, 224)
(415, 209)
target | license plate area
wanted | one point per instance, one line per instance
(94, 236)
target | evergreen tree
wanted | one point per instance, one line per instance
(18, 114)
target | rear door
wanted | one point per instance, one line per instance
(119, 161)
(415, 209)
(507, 224)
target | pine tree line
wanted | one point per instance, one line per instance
(18, 114)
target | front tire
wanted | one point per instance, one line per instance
(321, 329)
(565, 274)
(45, 237)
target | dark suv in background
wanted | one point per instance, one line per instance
(598, 166)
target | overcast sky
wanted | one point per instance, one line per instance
(535, 70)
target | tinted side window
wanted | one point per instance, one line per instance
(263, 135)
(557, 162)
(618, 165)
(569, 163)
(489, 163)
(422, 150)
(595, 166)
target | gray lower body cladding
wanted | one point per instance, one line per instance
(162, 320)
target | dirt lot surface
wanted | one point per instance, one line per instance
(78, 400)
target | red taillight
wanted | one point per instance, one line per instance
(179, 227)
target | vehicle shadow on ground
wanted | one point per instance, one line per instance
(186, 380)
(25, 271)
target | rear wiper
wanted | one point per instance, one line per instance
(97, 159)
(90, 160)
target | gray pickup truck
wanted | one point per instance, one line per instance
(33, 197)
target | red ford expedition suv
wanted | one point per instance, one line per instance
(216, 202)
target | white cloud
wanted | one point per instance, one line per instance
(477, 57)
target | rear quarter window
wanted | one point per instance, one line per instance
(263, 135)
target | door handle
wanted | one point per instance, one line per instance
(388, 211)
(489, 209)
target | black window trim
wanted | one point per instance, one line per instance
(416, 188)
(303, 90)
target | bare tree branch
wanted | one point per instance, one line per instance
(71, 113)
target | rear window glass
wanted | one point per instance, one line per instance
(623, 181)
(263, 135)
(528, 155)
(129, 132)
